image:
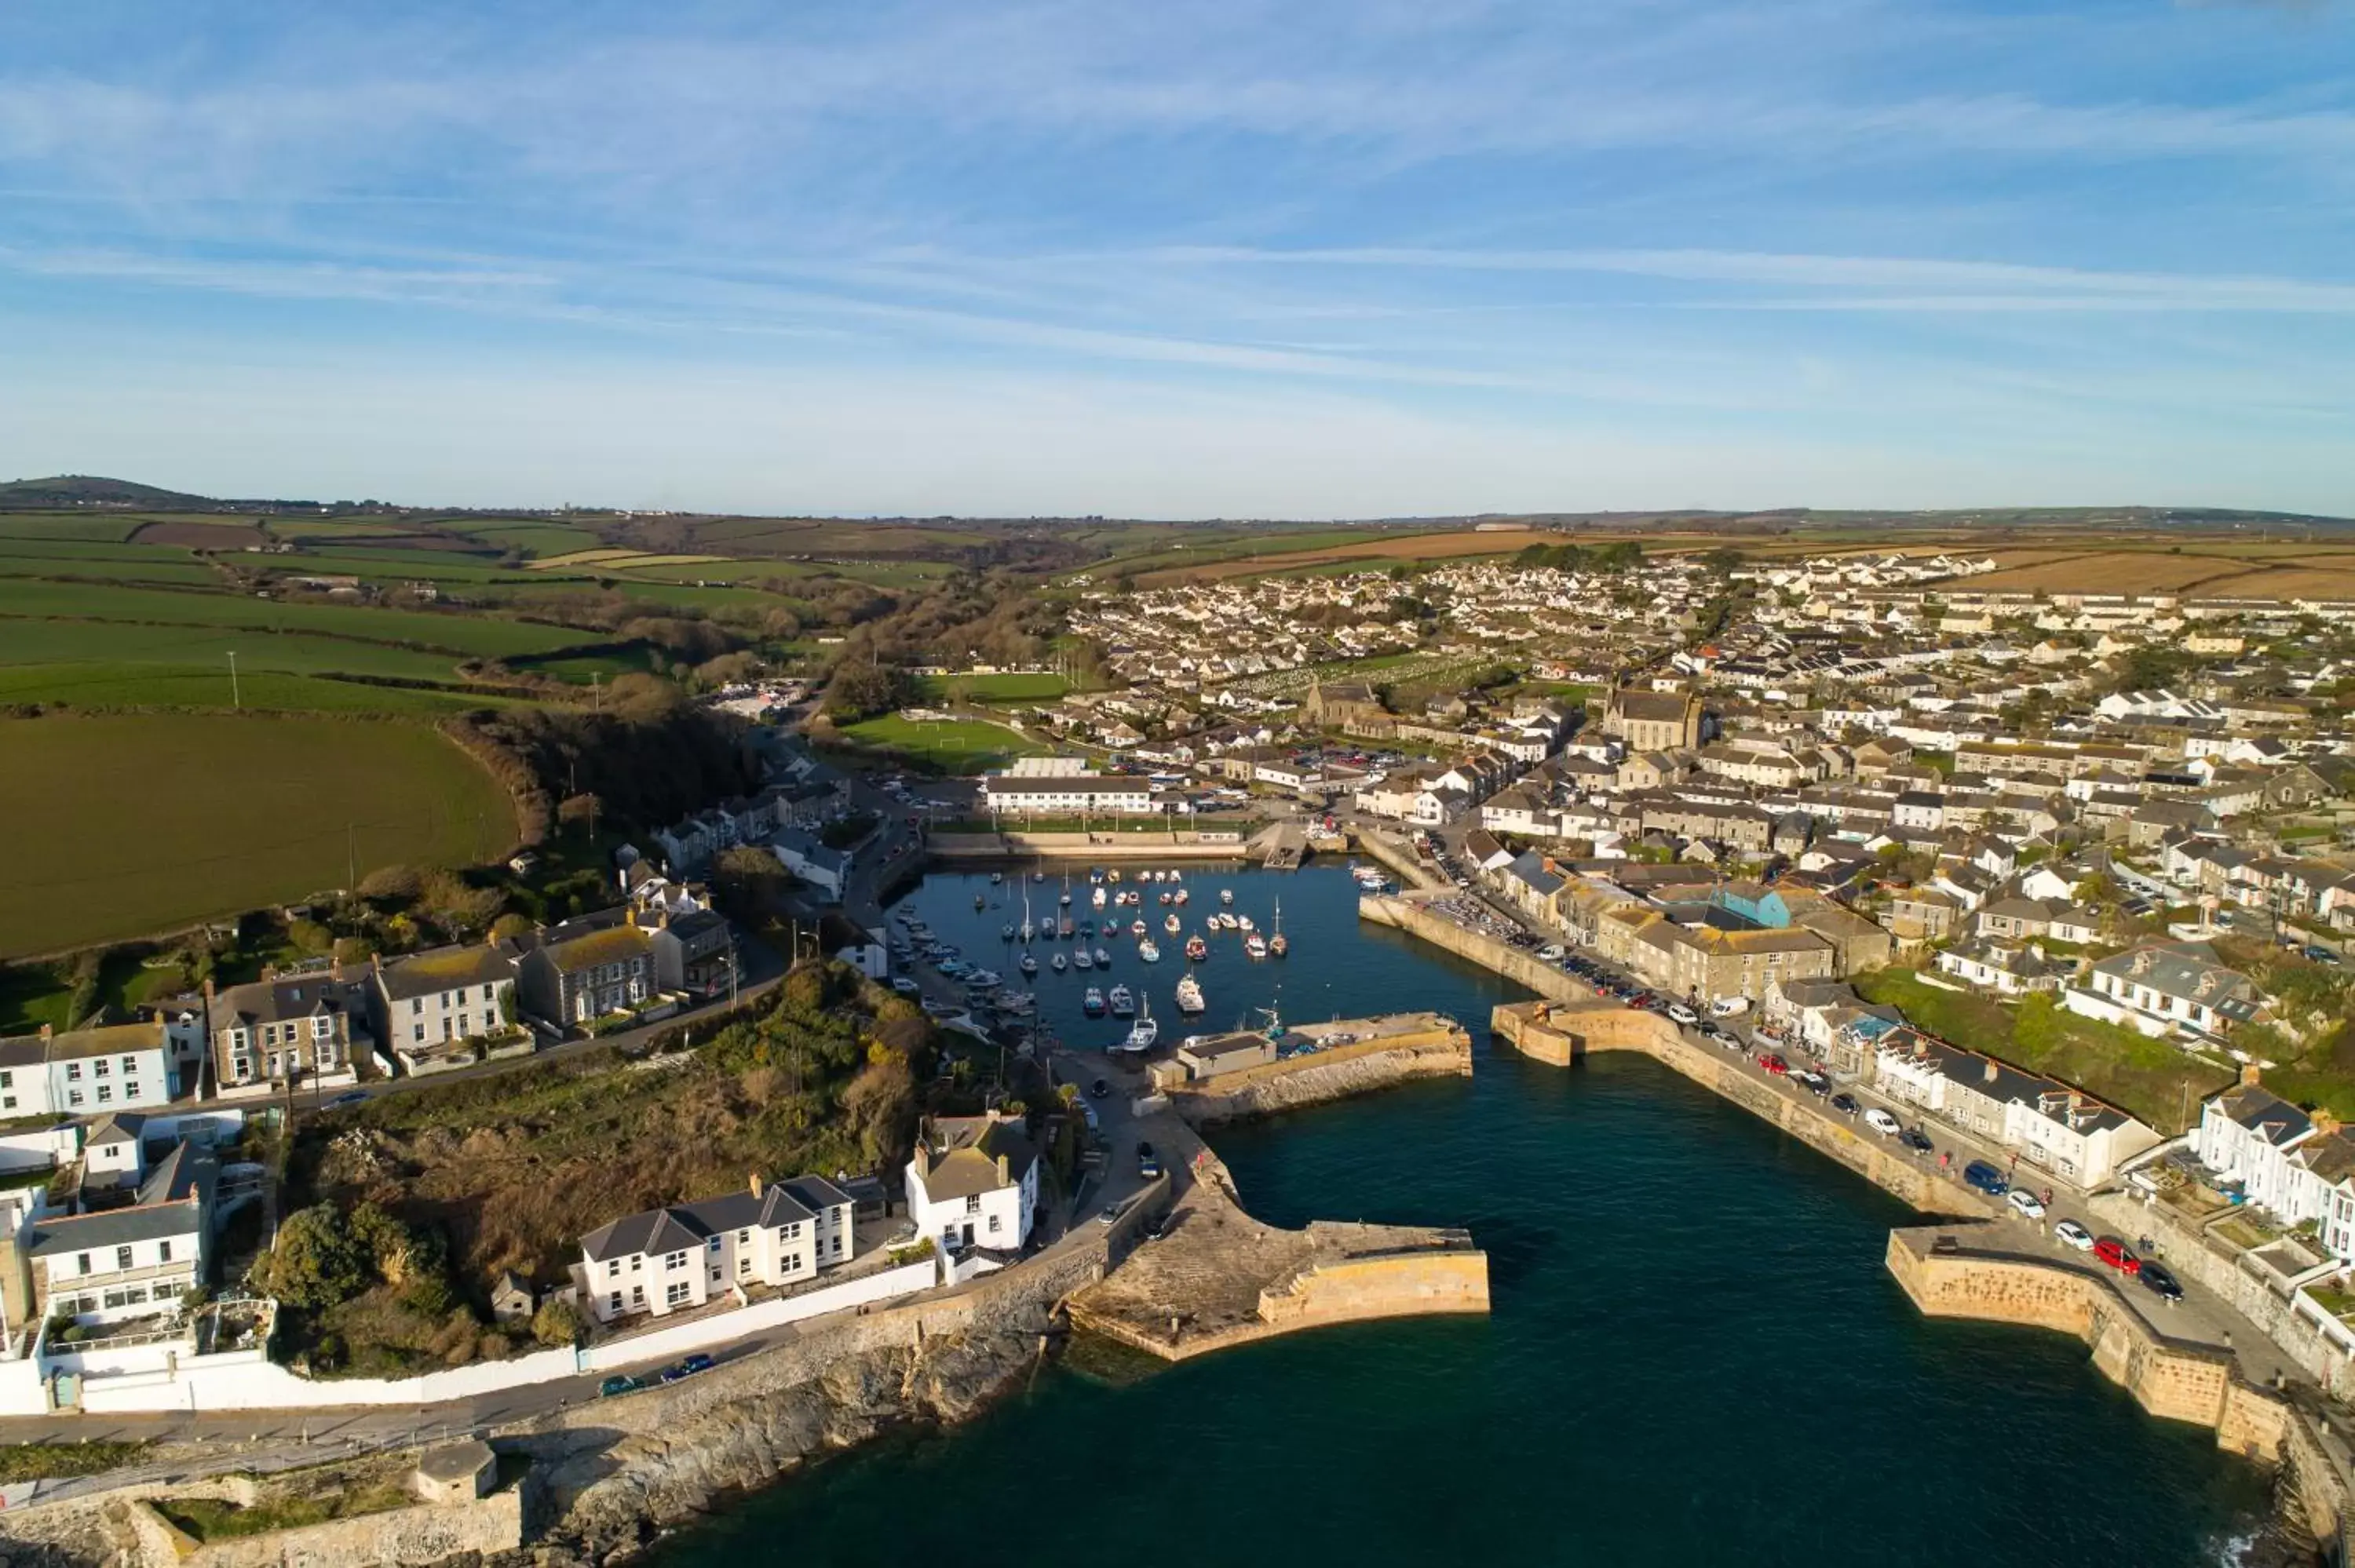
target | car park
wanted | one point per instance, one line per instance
(2026, 1202)
(2160, 1281)
(1881, 1122)
(2117, 1255)
(2070, 1233)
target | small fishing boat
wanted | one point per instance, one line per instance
(1060, 963)
(1243, 922)
(1255, 946)
(1005, 932)
(1112, 875)
(1097, 899)
(1149, 950)
(1124, 1004)
(979, 902)
(1095, 874)
(1067, 926)
(1029, 965)
(1174, 875)
(1165, 898)
(1182, 896)
(1104, 959)
(1038, 876)
(997, 879)
(1087, 929)
(1171, 924)
(1226, 896)
(1084, 959)
(1197, 948)
(1189, 995)
(1093, 1004)
(1143, 1032)
(1278, 944)
(1136, 927)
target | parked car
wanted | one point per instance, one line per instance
(1985, 1178)
(905, 986)
(2069, 1232)
(1881, 1122)
(1845, 1104)
(1100, 1088)
(2161, 1282)
(1110, 1212)
(2026, 1202)
(1551, 955)
(2114, 1253)
(1148, 1164)
(1914, 1138)
(696, 1363)
(348, 1097)
(617, 1384)
(1774, 1065)
(1681, 1014)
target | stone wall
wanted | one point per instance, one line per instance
(424, 1534)
(1399, 1284)
(1398, 859)
(1102, 846)
(1333, 1073)
(1513, 964)
(1562, 1036)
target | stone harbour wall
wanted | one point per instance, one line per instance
(1398, 1285)
(427, 1533)
(1333, 1074)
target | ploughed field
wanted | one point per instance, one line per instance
(118, 825)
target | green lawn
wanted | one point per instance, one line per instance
(182, 571)
(1038, 688)
(2148, 1078)
(123, 825)
(53, 643)
(536, 538)
(952, 745)
(466, 634)
(68, 525)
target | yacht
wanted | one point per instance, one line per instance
(1093, 1004)
(1143, 1032)
(1149, 950)
(1084, 959)
(1124, 1005)
(1189, 995)
(1195, 949)
(1104, 957)
(1175, 875)
(1028, 929)
(1277, 944)
(1029, 965)
(1255, 946)
(1060, 963)
(1172, 924)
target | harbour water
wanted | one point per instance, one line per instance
(1694, 1358)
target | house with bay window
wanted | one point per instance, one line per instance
(127, 1259)
(286, 1028)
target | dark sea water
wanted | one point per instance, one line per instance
(1695, 1355)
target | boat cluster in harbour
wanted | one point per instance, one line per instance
(1109, 897)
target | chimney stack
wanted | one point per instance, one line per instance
(2249, 1074)
(1005, 1172)
(1991, 1070)
(756, 1183)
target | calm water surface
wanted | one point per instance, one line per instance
(1695, 1356)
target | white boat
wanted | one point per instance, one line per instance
(1226, 896)
(1029, 966)
(1181, 896)
(1136, 927)
(1124, 1005)
(1189, 995)
(1097, 899)
(1084, 959)
(1143, 1032)
(1277, 944)
(1112, 875)
(996, 878)
(1243, 922)
(1165, 898)
(1174, 875)
(1005, 932)
(1255, 946)
(1104, 957)
(1149, 950)
(1061, 964)
(1172, 924)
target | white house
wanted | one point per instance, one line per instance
(1067, 794)
(136, 1259)
(2164, 987)
(810, 859)
(973, 1182)
(429, 1003)
(86, 1072)
(2246, 1135)
(675, 1259)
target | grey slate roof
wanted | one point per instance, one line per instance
(682, 1226)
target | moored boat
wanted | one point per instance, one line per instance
(1124, 1005)
(1093, 1004)
(1277, 943)
(1084, 959)
(1197, 948)
(1029, 966)
(1143, 1032)
(1255, 946)
(1149, 950)
(1104, 957)
(1189, 995)
(1171, 924)
(1061, 964)
(1226, 896)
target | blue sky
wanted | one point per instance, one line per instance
(1223, 258)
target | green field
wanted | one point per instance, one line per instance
(1041, 688)
(73, 525)
(952, 746)
(536, 538)
(125, 825)
(259, 689)
(182, 571)
(92, 642)
(464, 634)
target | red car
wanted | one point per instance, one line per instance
(2112, 1251)
(1774, 1065)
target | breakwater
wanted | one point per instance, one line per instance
(1388, 1051)
(1217, 1277)
(2181, 1380)
(1184, 844)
